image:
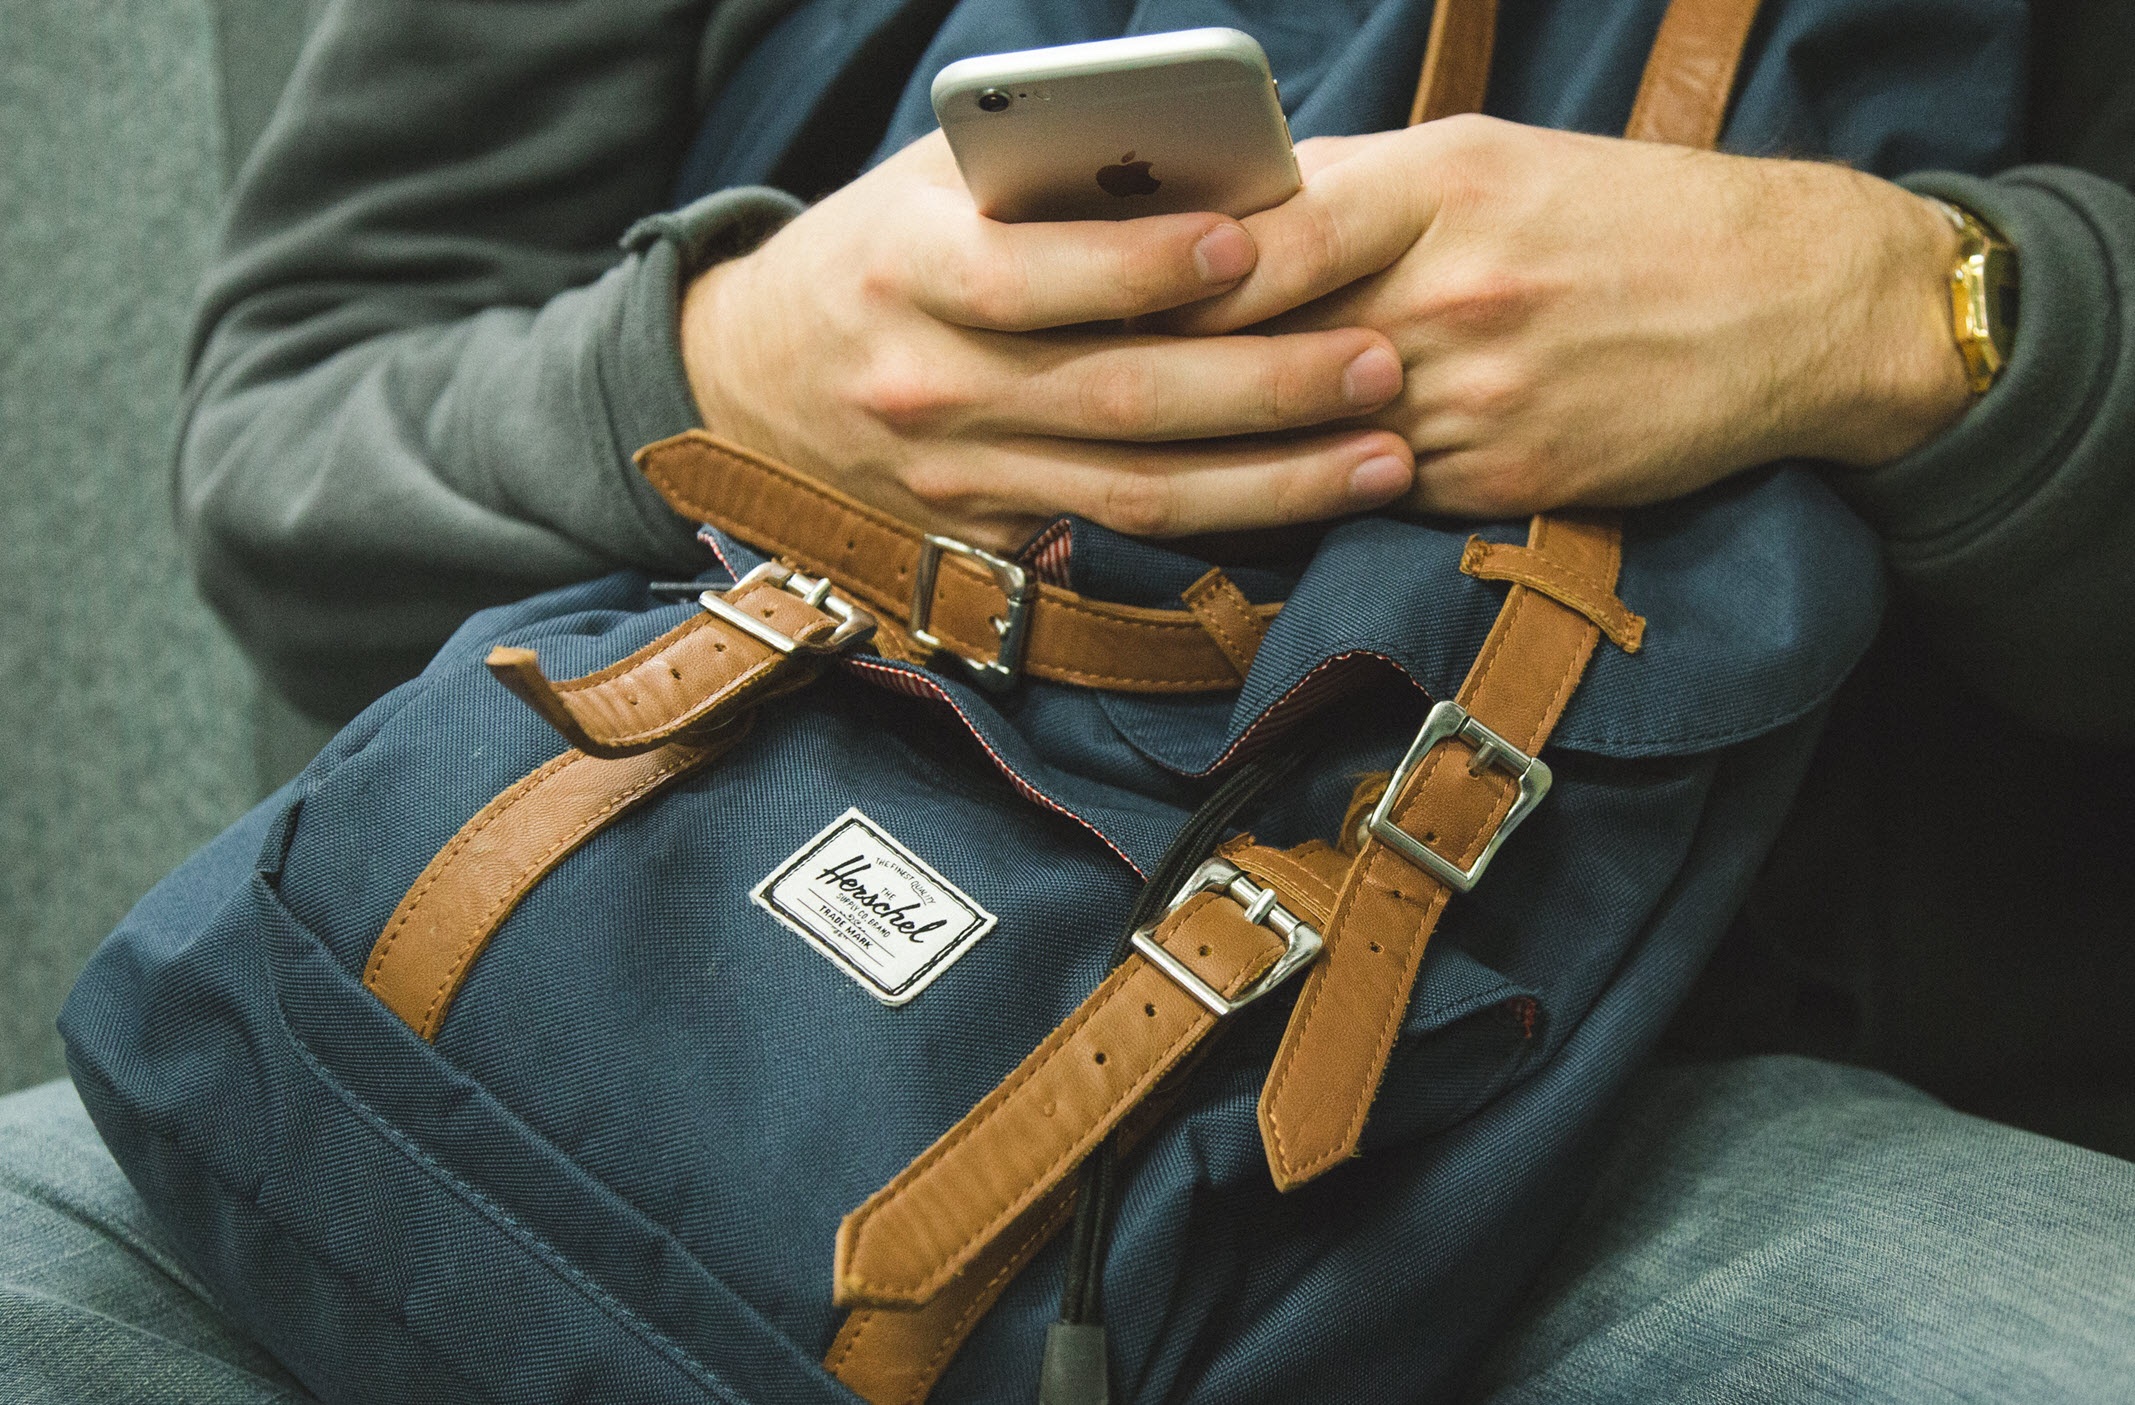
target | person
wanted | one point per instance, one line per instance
(420, 370)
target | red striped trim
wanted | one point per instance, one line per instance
(1333, 678)
(1048, 554)
(904, 680)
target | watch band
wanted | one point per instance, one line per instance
(1982, 302)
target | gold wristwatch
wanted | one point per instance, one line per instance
(1982, 296)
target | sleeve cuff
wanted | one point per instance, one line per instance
(1943, 497)
(648, 393)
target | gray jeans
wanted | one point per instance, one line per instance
(1767, 1230)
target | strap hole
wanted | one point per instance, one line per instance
(1100, 1056)
(676, 672)
(1430, 836)
(718, 648)
(1376, 948)
(1204, 951)
(1149, 1010)
(852, 544)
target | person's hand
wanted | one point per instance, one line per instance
(1590, 321)
(940, 366)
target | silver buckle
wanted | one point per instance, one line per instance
(1301, 943)
(855, 625)
(1450, 721)
(999, 672)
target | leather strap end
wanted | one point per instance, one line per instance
(916, 1235)
(520, 670)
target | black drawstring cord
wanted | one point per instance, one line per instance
(1075, 1368)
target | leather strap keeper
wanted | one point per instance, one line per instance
(1522, 565)
(876, 558)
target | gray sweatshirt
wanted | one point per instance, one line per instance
(421, 364)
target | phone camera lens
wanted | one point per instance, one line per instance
(993, 100)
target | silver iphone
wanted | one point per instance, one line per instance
(1150, 125)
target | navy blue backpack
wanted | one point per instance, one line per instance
(880, 967)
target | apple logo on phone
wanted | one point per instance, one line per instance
(1129, 177)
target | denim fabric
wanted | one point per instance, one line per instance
(1783, 1230)
(93, 1305)
(1774, 1231)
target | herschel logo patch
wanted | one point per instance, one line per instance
(874, 907)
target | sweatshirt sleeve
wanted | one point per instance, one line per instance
(2014, 533)
(421, 361)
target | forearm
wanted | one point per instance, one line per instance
(422, 362)
(2014, 532)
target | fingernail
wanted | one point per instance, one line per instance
(1379, 479)
(1224, 255)
(1373, 378)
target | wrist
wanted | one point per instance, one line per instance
(1898, 377)
(707, 333)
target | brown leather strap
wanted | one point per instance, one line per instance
(1497, 561)
(1326, 1073)
(689, 679)
(893, 1356)
(1125, 648)
(941, 1213)
(1682, 98)
(1229, 618)
(464, 894)
(1456, 62)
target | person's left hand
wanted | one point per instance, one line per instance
(1591, 321)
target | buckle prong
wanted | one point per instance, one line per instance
(855, 625)
(999, 672)
(1300, 942)
(1449, 721)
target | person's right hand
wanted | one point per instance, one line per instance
(940, 366)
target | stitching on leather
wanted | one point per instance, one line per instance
(1207, 598)
(1287, 871)
(485, 928)
(1589, 595)
(670, 486)
(917, 1171)
(690, 716)
(1003, 1096)
(1576, 667)
(982, 1300)
(675, 637)
(374, 969)
(1000, 1097)
(1308, 1005)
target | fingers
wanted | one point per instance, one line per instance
(1025, 277)
(1178, 490)
(1154, 389)
(1359, 211)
